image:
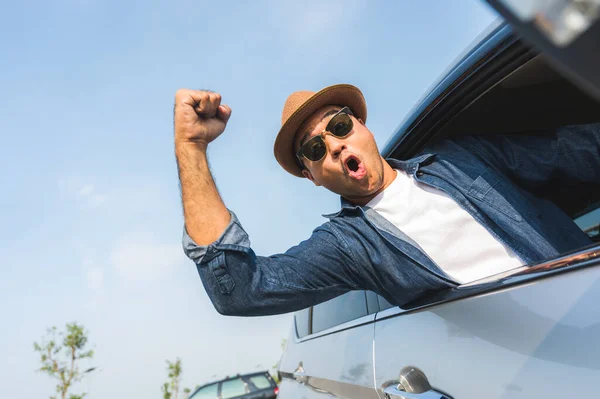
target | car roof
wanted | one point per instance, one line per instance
(243, 375)
(232, 377)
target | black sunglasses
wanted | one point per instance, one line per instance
(314, 149)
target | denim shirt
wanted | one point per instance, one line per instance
(357, 249)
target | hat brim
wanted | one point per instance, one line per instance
(343, 95)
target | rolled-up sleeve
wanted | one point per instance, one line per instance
(234, 235)
(240, 283)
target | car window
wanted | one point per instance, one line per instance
(383, 304)
(302, 319)
(258, 382)
(372, 303)
(344, 308)
(590, 224)
(233, 388)
(208, 392)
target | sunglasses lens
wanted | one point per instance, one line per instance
(314, 149)
(340, 125)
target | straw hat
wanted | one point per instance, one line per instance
(302, 104)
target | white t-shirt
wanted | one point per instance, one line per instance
(448, 234)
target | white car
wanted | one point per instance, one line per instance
(533, 332)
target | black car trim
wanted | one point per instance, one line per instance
(477, 73)
(471, 85)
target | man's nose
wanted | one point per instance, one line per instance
(335, 145)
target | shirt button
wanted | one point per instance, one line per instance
(419, 174)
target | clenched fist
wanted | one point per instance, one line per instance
(199, 116)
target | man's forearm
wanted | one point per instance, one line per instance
(206, 216)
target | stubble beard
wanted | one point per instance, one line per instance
(362, 198)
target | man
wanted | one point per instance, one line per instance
(448, 216)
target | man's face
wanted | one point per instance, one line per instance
(352, 166)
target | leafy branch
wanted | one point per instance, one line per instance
(60, 355)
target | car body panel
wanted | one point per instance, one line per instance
(508, 343)
(407, 339)
(336, 362)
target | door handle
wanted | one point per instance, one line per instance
(412, 384)
(393, 392)
(300, 375)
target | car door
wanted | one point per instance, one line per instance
(330, 352)
(233, 388)
(528, 336)
(533, 332)
(260, 386)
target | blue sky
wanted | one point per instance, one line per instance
(90, 206)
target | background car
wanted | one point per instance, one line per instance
(246, 386)
(532, 332)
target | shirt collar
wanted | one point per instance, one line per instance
(408, 166)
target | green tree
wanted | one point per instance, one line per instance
(61, 353)
(170, 389)
(165, 391)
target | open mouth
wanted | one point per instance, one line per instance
(355, 167)
(352, 164)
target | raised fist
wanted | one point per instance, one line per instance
(199, 116)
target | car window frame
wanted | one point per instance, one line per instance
(589, 227)
(370, 301)
(486, 65)
(217, 383)
(305, 314)
(359, 296)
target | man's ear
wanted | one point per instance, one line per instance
(361, 121)
(310, 177)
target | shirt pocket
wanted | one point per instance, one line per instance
(487, 188)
